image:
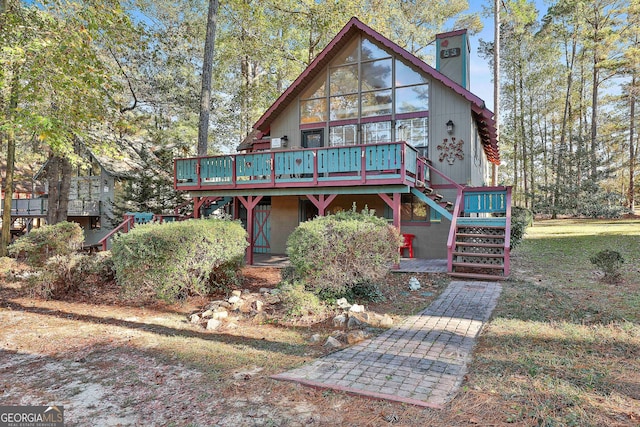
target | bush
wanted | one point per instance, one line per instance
(332, 254)
(42, 243)
(6, 266)
(174, 260)
(63, 274)
(521, 218)
(298, 302)
(609, 262)
(361, 291)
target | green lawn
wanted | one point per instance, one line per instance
(563, 347)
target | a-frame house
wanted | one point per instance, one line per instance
(369, 123)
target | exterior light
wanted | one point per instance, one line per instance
(450, 127)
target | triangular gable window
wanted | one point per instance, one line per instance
(371, 95)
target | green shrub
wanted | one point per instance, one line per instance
(42, 243)
(298, 302)
(332, 254)
(609, 262)
(521, 218)
(365, 290)
(173, 260)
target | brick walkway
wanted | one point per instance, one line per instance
(421, 361)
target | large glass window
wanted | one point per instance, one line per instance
(348, 55)
(377, 103)
(344, 107)
(366, 81)
(343, 80)
(313, 104)
(343, 135)
(376, 75)
(414, 131)
(371, 51)
(375, 132)
(406, 76)
(313, 110)
(412, 99)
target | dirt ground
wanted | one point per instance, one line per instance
(111, 364)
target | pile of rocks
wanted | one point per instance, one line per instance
(354, 324)
(227, 313)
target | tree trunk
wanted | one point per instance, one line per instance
(53, 184)
(496, 81)
(65, 185)
(207, 71)
(632, 148)
(5, 237)
(523, 139)
(8, 193)
(594, 121)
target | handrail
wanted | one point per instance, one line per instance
(126, 225)
(452, 230)
(446, 178)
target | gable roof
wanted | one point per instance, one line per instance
(483, 116)
(123, 159)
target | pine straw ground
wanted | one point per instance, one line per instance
(562, 349)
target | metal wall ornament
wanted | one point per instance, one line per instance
(451, 150)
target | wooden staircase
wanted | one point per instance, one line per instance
(480, 236)
(478, 246)
(480, 251)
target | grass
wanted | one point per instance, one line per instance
(563, 347)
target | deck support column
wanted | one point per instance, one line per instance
(249, 204)
(394, 204)
(322, 202)
(197, 202)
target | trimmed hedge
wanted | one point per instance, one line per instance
(334, 253)
(174, 260)
(47, 241)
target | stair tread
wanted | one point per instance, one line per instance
(478, 265)
(491, 227)
(479, 254)
(477, 276)
(484, 236)
(480, 245)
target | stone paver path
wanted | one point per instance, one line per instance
(421, 361)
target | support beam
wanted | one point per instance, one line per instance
(322, 202)
(197, 202)
(249, 204)
(394, 203)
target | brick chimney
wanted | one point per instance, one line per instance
(452, 56)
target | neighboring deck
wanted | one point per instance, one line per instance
(37, 208)
(371, 165)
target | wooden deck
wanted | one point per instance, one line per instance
(395, 163)
(37, 208)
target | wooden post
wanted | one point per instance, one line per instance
(196, 207)
(394, 204)
(249, 204)
(322, 202)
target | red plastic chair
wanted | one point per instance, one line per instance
(407, 244)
